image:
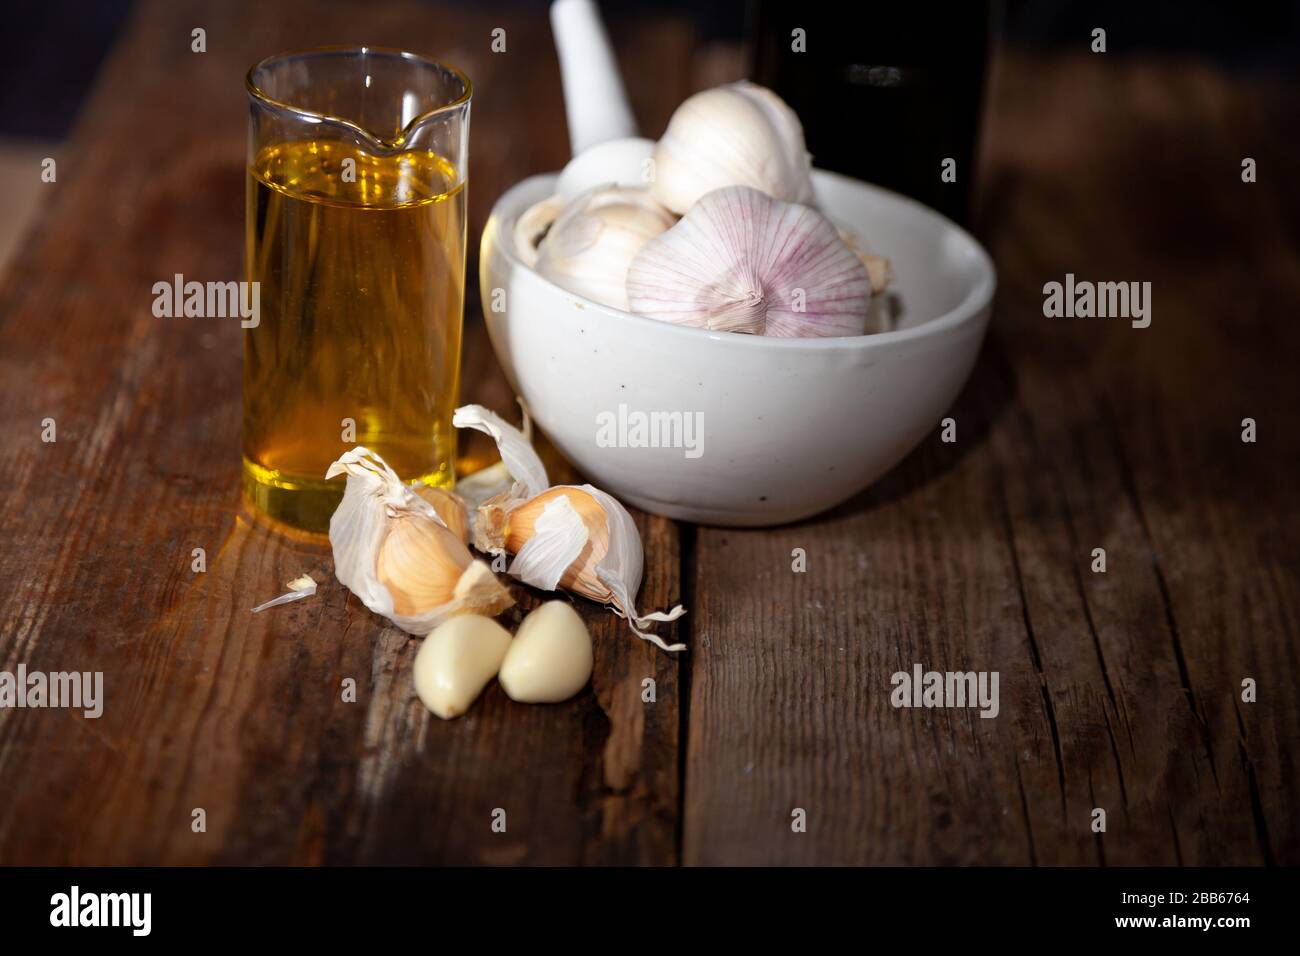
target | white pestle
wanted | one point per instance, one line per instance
(602, 130)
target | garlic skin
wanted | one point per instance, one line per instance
(303, 586)
(550, 658)
(456, 661)
(398, 557)
(741, 261)
(741, 134)
(589, 247)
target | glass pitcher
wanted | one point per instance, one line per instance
(355, 226)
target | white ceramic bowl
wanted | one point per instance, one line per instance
(790, 427)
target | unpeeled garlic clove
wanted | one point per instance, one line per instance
(577, 538)
(589, 247)
(456, 661)
(449, 507)
(741, 261)
(398, 557)
(550, 658)
(741, 134)
(574, 537)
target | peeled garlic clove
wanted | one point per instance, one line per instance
(449, 507)
(456, 661)
(398, 557)
(589, 247)
(736, 135)
(550, 658)
(741, 261)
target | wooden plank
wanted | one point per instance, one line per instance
(207, 706)
(1118, 690)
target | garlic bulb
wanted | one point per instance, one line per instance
(741, 134)
(588, 248)
(741, 261)
(550, 658)
(398, 557)
(456, 661)
(574, 537)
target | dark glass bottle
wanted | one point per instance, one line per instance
(886, 92)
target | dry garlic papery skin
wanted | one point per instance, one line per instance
(550, 658)
(517, 453)
(303, 586)
(456, 661)
(398, 557)
(736, 135)
(741, 261)
(589, 247)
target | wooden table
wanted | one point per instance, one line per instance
(1120, 691)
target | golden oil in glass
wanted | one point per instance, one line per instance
(360, 260)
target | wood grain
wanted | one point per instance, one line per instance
(1118, 690)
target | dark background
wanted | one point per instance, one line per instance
(56, 46)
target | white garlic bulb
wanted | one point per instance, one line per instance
(550, 658)
(589, 247)
(741, 134)
(741, 261)
(456, 661)
(393, 551)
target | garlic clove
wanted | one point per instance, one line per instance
(419, 563)
(450, 508)
(741, 261)
(398, 557)
(589, 247)
(456, 661)
(553, 541)
(550, 658)
(741, 134)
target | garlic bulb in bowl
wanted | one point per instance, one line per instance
(590, 245)
(741, 134)
(740, 261)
